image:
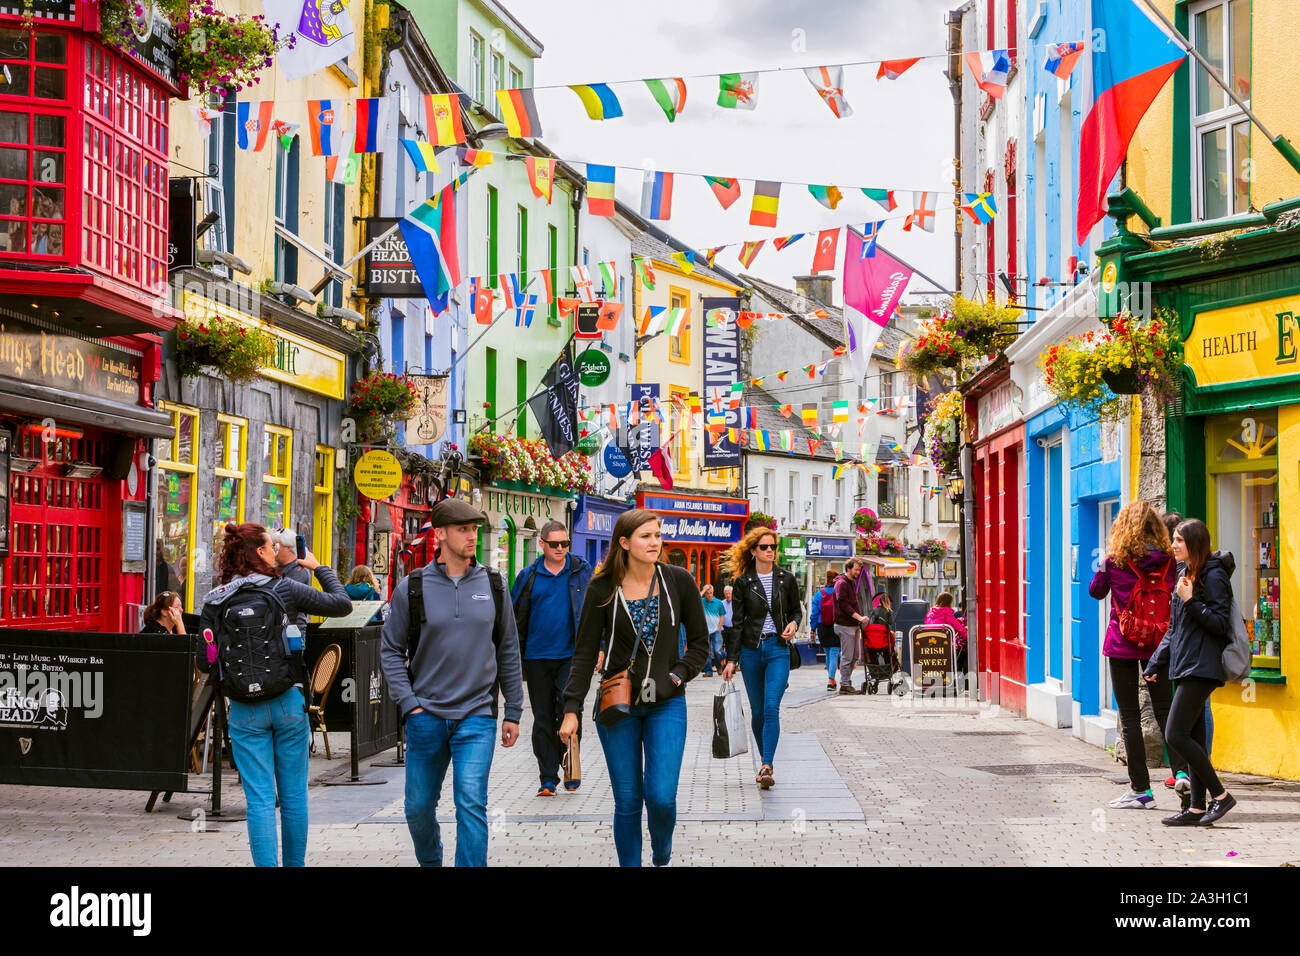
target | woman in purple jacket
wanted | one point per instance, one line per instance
(1138, 540)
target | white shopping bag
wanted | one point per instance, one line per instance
(730, 733)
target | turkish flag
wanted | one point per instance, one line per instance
(483, 306)
(827, 243)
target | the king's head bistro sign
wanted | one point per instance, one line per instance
(389, 270)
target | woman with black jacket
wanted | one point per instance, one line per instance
(765, 614)
(270, 737)
(1200, 626)
(643, 603)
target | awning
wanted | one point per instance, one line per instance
(40, 401)
(891, 567)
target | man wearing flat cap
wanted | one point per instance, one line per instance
(445, 654)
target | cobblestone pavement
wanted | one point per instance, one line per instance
(860, 781)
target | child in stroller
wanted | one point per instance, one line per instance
(878, 646)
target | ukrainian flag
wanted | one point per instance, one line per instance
(422, 156)
(599, 100)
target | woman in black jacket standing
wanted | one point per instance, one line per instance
(765, 614)
(1200, 625)
(642, 603)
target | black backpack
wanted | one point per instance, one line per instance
(254, 662)
(415, 619)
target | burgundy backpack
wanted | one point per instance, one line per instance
(1145, 618)
(828, 605)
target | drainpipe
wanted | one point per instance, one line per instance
(954, 23)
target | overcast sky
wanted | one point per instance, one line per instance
(899, 136)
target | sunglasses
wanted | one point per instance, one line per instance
(557, 544)
(764, 547)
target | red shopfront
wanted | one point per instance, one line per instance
(83, 306)
(997, 481)
(696, 530)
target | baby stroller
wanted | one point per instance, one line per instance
(879, 655)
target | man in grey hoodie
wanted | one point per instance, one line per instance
(466, 650)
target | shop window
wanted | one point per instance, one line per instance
(277, 467)
(33, 177)
(1243, 517)
(516, 79)
(679, 346)
(322, 515)
(891, 493)
(176, 505)
(679, 434)
(231, 463)
(792, 498)
(1220, 129)
(553, 252)
(490, 236)
(947, 507)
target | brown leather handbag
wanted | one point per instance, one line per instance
(614, 701)
(571, 763)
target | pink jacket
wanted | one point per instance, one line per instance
(946, 615)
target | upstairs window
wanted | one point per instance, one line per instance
(1220, 130)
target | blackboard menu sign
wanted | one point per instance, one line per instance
(932, 656)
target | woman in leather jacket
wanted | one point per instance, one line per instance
(765, 615)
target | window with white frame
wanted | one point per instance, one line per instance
(498, 73)
(516, 79)
(886, 389)
(794, 496)
(1220, 130)
(334, 238)
(925, 497)
(816, 497)
(476, 66)
(769, 488)
(214, 193)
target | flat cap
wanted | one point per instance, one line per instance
(454, 511)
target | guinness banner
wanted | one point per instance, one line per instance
(81, 709)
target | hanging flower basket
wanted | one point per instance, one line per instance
(944, 421)
(885, 544)
(760, 519)
(932, 549)
(506, 459)
(385, 394)
(1123, 381)
(866, 521)
(223, 347)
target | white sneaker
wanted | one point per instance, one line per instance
(1134, 801)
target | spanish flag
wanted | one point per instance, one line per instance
(519, 111)
(442, 117)
(763, 212)
(541, 172)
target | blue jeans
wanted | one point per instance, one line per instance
(715, 656)
(432, 743)
(657, 732)
(270, 740)
(766, 672)
(832, 661)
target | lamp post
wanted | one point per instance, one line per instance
(956, 488)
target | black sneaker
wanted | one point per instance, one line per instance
(1185, 798)
(1218, 808)
(1184, 819)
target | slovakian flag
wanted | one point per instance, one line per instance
(893, 69)
(1062, 58)
(657, 196)
(254, 125)
(1127, 74)
(873, 287)
(599, 100)
(369, 125)
(828, 81)
(990, 69)
(430, 234)
(670, 94)
(827, 242)
(326, 138)
(727, 190)
(600, 190)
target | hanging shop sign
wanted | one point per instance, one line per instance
(998, 408)
(377, 475)
(645, 438)
(519, 506)
(30, 353)
(721, 370)
(616, 462)
(152, 42)
(292, 359)
(428, 419)
(585, 319)
(390, 273)
(826, 548)
(702, 506)
(182, 237)
(593, 367)
(588, 444)
(700, 530)
(1256, 342)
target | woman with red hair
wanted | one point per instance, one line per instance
(270, 736)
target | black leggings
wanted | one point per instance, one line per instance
(1124, 680)
(1185, 735)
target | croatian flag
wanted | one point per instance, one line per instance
(1128, 72)
(873, 287)
(253, 127)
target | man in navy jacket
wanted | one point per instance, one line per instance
(547, 599)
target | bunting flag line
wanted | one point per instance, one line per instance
(582, 283)
(784, 241)
(870, 232)
(766, 196)
(253, 121)
(480, 302)
(749, 251)
(808, 413)
(653, 319)
(343, 168)
(678, 320)
(824, 259)
(645, 272)
(519, 112)
(608, 277)
(893, 69)
(828, 81)
(599, 100)
(1061, 59)
(828, 196)
(318, 35)
(738, 91)
(541, 173)
(509, 289)
(883, 196)
(600, 190)
(368, 114)
(477, 158)
(684, 260)
(422, 156)
(607, 321)
(325, 139)
(205, 116)
(670, 94)
(839, 411)
(990, 70)
(657, 196)
(712, 254)
(923, 212)
(727, 190)
(442, 119)
(286, 132)
(981, 207)
(548, 285)
(566, 305)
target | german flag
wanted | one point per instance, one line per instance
(519, 111)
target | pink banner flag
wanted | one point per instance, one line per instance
(873, 288)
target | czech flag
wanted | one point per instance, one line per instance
(1127, 74)
(369, 113)
(1062, 58)
(599, 100)
(257, 123)
(657, 196)
(320, 121)
(600, 190)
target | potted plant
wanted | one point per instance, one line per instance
(866, 521)
(931, 549)
(379, 401)
(935, 347)
(506, 459)
(760, 519)
(944, 420)
(223, 346)
(1091, 372)
(979, 325)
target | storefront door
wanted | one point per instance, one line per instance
(1054, 631)
(1109, 512)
